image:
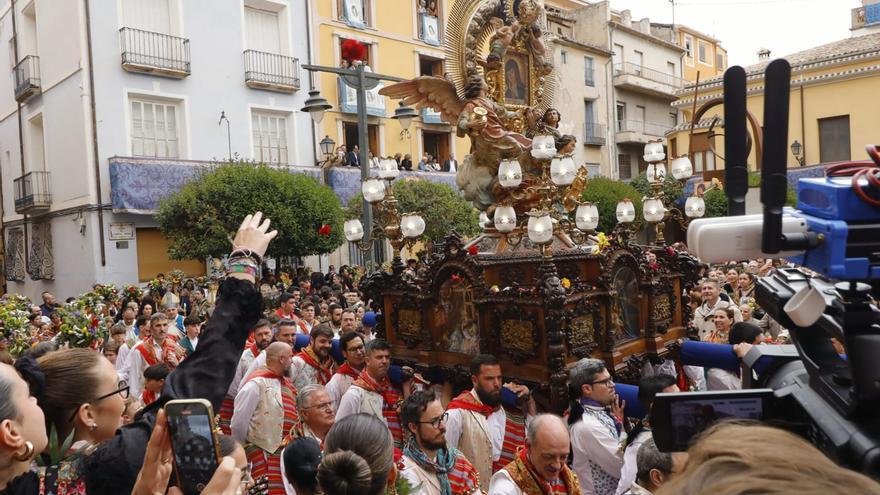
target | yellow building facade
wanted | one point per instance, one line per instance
(404, 39)
(834, 111)
(702, 53)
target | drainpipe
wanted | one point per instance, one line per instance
(94, 119)
(612, 103)
(315, 146)
(20, 134)
(803, 134)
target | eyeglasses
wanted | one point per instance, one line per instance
(436, 421)
(324, 405)
(122, 390)
(607, 382)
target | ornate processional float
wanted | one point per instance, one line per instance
(539, 288)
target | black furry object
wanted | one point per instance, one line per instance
(31, 372)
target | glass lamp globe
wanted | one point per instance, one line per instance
(373, 190)
(540, 228)
(586, 217)
(695, 207)
(505, 218)
(484, 219)
(562, 170)
(388, 168)
(681, 168)
(654, 153)
(509, 173)
(412, 225)
(653, 210)
(354, 230)
(543, 147)
(626, 211)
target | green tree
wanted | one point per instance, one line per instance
(606, 193)
(671, 192)
(202, 217)
(716, 203)
(443, 209)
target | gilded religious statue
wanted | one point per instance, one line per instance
(497, 93)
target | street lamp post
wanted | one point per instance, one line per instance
(362, 81)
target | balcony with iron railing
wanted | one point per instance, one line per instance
(272, 71)
(641, 79)
(32, 193)
(594, 134)
(154, 53)
(27, 78)
(638, 131)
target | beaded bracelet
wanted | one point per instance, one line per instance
(238, 251)
(243, 268)
(242, 260)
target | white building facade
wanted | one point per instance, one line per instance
(112, 104)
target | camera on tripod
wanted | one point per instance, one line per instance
(833, 400)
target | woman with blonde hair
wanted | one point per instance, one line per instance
(734, 458)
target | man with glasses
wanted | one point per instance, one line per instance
(596, 421)
(316, 411)
(427, 460)
(352, 346)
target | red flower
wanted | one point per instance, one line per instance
(324, 229)
(473, 250)
(670, 251)
(456, 277)
(655, 266)
(353, 50)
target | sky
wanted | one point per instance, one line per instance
(745, 26)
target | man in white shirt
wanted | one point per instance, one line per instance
(286, 333)
(265, 413)
(655, 468)
(154, 350)
(704, 315)
(117, 334)
(129, 318)
(540, 467)
(262, 339)
(596, 429)
(352, 346)
(484, 431)
(307, 321)
(314, 364)
(649, 387)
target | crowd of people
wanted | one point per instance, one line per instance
(308, 402)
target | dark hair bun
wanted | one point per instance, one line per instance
(344, 473)
(31, 372)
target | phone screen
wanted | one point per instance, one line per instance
(195, 455)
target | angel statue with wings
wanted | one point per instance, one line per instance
(480, 118)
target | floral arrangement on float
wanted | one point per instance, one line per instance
(132, 292)
(109, 293)
(80, 328)
(14, 325)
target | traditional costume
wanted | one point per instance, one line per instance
(343, 378)
(489, 437)
(520, 478)
(307, 368)
(145, 354)
(449, 473)
(381, 399)
(265, 412)
(225, 415)
(596, 447)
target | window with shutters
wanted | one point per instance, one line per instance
(624, 165)
(262, 29)
(149, 15)
(155, 128)
(834, 141)
(270, 137)
(589, 69)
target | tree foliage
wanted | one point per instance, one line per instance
(443, 209)
(716, 203)
(205, 214)
(671, 192)
(606, 193)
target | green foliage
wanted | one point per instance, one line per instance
(203, 216)
(716, 203)
(754, 179)
(443, 209)
(791, 197)
(606, 193)
(672, 189)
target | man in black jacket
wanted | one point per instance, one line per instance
(354, 157)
